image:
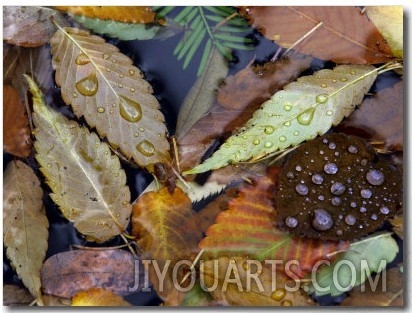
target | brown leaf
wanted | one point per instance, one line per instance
(16, 133)
(30, 26)
(238, 99)
(98, 297)
(381, 116)
(15, 296)
(397, 224)
(346, 35)
(67, 273)
(387, 292)
(125, 14)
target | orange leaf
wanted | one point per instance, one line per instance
(247, 228)
(346, 35)
(98, 297)
(125, 14)
(16, 133)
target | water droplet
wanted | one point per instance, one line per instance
(121, 75)
(362, 209)
(352, 72)
(296, 133)
(268, 144)
(350, 219)
(278, 294)
(375, 177)
(343, 79)
(290, 175)
(302, 189)
(286, 124)
(323, 85)
(322, 220)
(291, 222)
(332, 146)
(88, 86)
(111, 111)
(298, 168)
(287, 107)
(306, 117)
(49, 165)
(353, 204)
(322, 98)
(130, 110)
(120, 85)
(325, 140)
(366, 193)
(364, 162)
(384, 210)
(329, 113)
(124, 202)
(337, 188)
(336, 201)
(269, 130)
(256, 142)
(374, 217)
(108, 69)
(74, 94)
(131, 72)
(286, 303)
(146, 148)
(82, 59)
(106, 56)
(330, 168)
(334, 80)
(339, 232)
(282, 138)
(101, 109)
(317, 179)
(352, 149)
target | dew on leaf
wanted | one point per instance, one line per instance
(88, 86)
(322, 220)
(146, 148)
(317, 179)
(269, 130)
(101, 110)
(330, 168)
(82, 59)
(130, 110)
(366, 193)
(256, 142)
(350, 219)
(291, 222)
(278, 294)
(302, 189)
(375, 177)
(306, 117)
(322, 98)
(282, 139)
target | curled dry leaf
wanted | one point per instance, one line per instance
(101, 84)
(30, 26)
(16, 133)
(346, 35)
(98, 297)
(67, 273)
(86, 179)
(230, 281)
(16, 296)
(24, 224)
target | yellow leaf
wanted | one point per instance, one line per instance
(98, 297)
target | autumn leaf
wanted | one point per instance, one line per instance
(345, 35)
(247, 228)
(14, 295)
(101, 84)
(304, 109)
(67, 273)
(229, 281)
(16, 133)
(197, 297)
(98, 297)
(29, 26)
(397, 224)
(24, 224)
(86, 179)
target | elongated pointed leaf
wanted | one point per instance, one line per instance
(87, 181)
(24, 224)
(304, 109)
(102, 85)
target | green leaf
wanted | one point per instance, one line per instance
(353, 268)
(122, 31)
(194, 47)
(196, 296)
(304, 109)
(186, 14)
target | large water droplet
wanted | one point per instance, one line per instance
(322, 220)
(88, 86)
(269, 130)
(350, 219)
(146, 148)
(337, 188)
(302, 189)
(278, 294)
(82, 59)
(317, 179)
(306, 117)
(375, 177)
(130, 110)
(366, 193)
(322, 98)
(291, 222)
(101, 110)
(384, 210)
(330, 168)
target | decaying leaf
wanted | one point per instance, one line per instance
(87, 180)
(30, 26)
(16, 296)
(101, 84)
(235, 281)
(397, 224)
(304, 109)
(370, 255)
(24, 224)
(67, 273)
(98, 297)
(345, 35)
(16, 133)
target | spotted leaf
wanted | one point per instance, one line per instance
(304, 109)
(101, 84)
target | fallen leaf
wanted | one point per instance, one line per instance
(196, 296)
(98, 297)
(16, 296)
(304, 109)
(346, 35)
(24, 224)
(381, 116)
(387, 292)
(67, 273)
(16, 133)
(389, 20)
(86, 179)
(101, 84)
(30, 26)
(397, 224)
(232, 283)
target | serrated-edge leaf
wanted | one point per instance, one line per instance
(86, 179)
(24, 224)
(304, 109)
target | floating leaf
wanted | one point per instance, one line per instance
(16, 133)
(24, 224)
(98, 297)
(345, 35)
(365, 257)
(15, 296)
(87, 181)
(102, 85)
(29, 26)
(303, 110)
(67, 273)
(242, 290)
(389, 20)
